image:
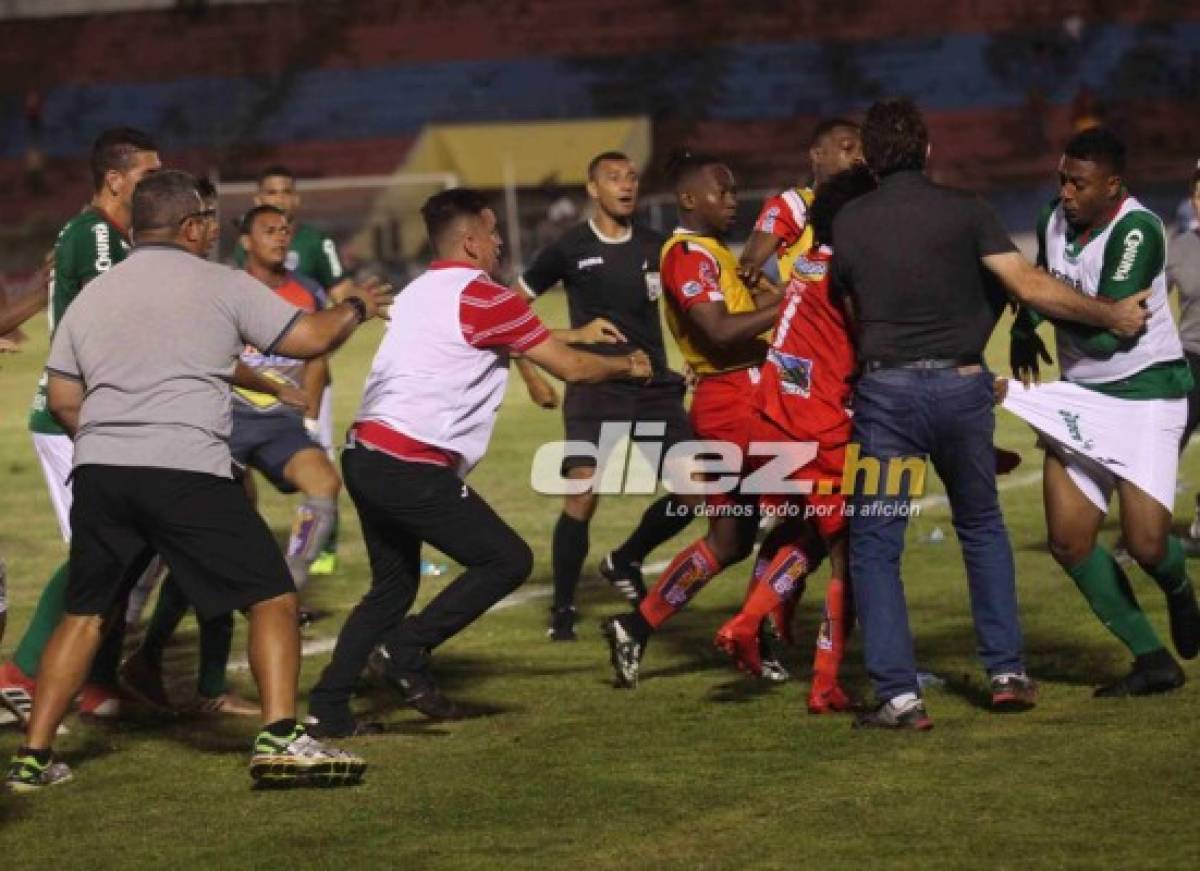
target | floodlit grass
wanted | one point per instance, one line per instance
(699, 768)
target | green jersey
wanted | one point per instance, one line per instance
(87, 245)
(311, 254)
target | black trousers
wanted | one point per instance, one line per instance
(401, 505)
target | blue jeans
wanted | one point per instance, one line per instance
(949, 418)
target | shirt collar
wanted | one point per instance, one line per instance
(902, 176)
(611, 240)
(172, 246)
(453, 264)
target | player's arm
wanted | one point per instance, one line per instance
(540, 390)
(315, 333)
(64, 399)
(580, 367)
(722, 329)
(780, 224)
(26, 307)
(546, 270)
(691, 281)
(313, 384)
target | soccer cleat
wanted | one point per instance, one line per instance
(143, 680)
(1185, 621)
(741, 644)
(1013, 692)
(422, 693)
(770, 654)
(625, 651)
(301, 760)
(625, 578)
(226, 704)
(908, 715)
(344, 726)
(26, 774)
(16, 692)
(829, 700)
(99, 702)
(562, 624)
(326, 563)
(1152, 673)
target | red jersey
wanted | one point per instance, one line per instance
(805, 387)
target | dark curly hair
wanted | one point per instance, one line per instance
(894, 137)
(834, 193)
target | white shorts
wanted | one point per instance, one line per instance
(55, 453)
(325, 420)
(1101, 439)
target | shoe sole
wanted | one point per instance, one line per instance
(608, 630)
(1155, 690)
(284, 772)
(17, 787)
(1012, 703)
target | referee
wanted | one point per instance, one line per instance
(139, 376)
(919, 263)
(609, 268)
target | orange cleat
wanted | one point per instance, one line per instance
(740, 643)
(100, 702)
(829, 700)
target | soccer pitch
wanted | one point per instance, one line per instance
(697, 768)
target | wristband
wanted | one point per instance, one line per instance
(360, 307)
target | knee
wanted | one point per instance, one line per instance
(580, 506)
(514, 562)
(1148, 549)
(1069, 552)
(728, 549)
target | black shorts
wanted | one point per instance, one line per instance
(268, 442)
(217, 546)
(587, 407)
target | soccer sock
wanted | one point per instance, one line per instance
(782, 579)
(310, 530)
(692, 568)
(1107, 590)
(663, 520)
(42, 624)
(168, 612)
(568, 550)
(216, 638)
(832, 637)
(41, 757)
(103, 670)
(281, 728)
(331, 543)
(1171, 574)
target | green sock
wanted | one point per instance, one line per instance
(1171, 573)
(216, 637)
(45, 619)
(1107, 590)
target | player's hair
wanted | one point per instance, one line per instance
(442, 209)
(1099, 145)
(206, 189)
(595, 162)
(824, 128)
(683, 164)
(246, 224)
(164, 200)
(274, 170)
(894, 137)
(834, 193)
(114, 150)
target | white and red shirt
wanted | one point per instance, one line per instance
(784, 216)
(438, 378)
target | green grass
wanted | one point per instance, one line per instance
(698, 768)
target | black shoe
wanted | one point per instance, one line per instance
(626, 578)
(562, 624)
(887, 715)
(1156, 672)
(770, 654)
(309, 616)
(422, 693)
(624, 651)
(1185, 621)
(343, 726)
(1013, 692)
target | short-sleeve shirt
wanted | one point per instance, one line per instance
(617, 279)
(88, 245)
(910, 257)
(1183, 271)
(155, 341)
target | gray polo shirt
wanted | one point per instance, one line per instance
(1183, 271)
(155, 341)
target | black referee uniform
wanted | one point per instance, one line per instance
(616, 279)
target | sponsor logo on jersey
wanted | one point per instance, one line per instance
(103, 249)
(795, 373)
(1133, 241)
(691, 288)
(1068, 279)
(708, 275)
(653, 286)
(810, 270)
(589, 262)
(767, 224)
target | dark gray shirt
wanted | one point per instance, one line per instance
(909, 257)
(155, 341)
(1183, 271)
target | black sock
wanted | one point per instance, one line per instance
(568, 551)
(638, 627)
(663, 520)
(42, 756)
(281, 728)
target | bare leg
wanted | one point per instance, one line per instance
(63, 667)
(275, 655)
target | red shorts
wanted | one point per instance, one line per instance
(825, 507)
(723, 410)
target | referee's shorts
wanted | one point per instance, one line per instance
(587, 407)
(217, 546)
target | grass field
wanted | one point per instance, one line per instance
(698, 768)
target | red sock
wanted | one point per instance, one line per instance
(780, 582)
(692, 568)
(832, 638)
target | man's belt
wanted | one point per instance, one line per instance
(875, 364)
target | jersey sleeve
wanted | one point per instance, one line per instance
(83, 253)
(690, 276)
(990, 235)
(328, 264)
(1133, 256)
(492, 316)
(62, 360)
(261, 316)
(784, 216)
(548, 268)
